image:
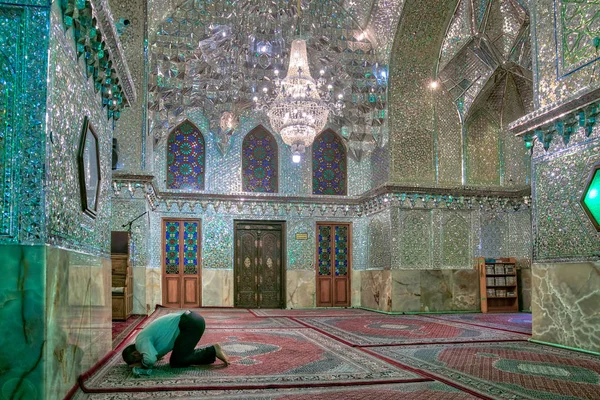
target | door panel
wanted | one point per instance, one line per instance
(333, 264)
(181, 260)
(258, 266)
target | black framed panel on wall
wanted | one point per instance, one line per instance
(88, 161)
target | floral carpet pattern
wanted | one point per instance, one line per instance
(260, 357)
(353, 354)
(516, 322)
(514, 370)
(413, 391)
(401, 329)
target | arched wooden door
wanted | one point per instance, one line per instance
(181, 263)
(334, 262)
(259, 264)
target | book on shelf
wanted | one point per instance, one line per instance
(489, 269)
(511, 280)
(500, 292)
(499, 269)
(491, 293)
(509, 268)
(490, 281)
(510, 293)
(500, 281)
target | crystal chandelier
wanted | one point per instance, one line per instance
(298, 113)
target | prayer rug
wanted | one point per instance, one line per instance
(238, 319)
(260, 358)
(120, 329)
(312, 312)
(521, 370)
(515, 322)
(397, 330)
(413, 391)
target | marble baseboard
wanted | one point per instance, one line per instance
(376, 290)
(300, 288)
(217, 288)
(22, 312)
(78, 314)
(435, 290)
(565, 304)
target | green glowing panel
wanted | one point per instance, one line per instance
(590, 201)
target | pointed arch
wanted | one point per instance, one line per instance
(329, 161)
(186, 157)
(260, 161)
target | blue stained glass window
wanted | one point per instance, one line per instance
(259, 162)
(329, 164)
(185, 158)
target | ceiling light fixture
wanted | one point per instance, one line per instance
(298, 113)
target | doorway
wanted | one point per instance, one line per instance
(258, 264)
(181, 261)
(333, 264)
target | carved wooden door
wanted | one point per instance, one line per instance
(181, 263)
(333, 264)
(258, 265)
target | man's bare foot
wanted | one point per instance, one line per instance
(220, 354)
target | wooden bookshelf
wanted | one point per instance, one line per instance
(498, 284)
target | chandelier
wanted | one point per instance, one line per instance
(298, 113)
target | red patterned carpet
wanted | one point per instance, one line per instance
(515, 322)
(120, 329)
(398, 329)
(520, 370)
(358, 354)
(412, 391)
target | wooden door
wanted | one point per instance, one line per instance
(258, 267)
(333, 266)
(181, 263)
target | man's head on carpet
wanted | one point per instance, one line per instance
(130, 355)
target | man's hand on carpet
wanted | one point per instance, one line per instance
(220, 354)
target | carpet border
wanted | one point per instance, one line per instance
(331, 335)
(478, 325)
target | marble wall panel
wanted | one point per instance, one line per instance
(153, 289)
(139, 290)
(406, 290)
(79, 316)
(376, 290)
(217, 288)
(301, 289)
(565, 304)
(437, 290)
(22, 312)
(465, 290)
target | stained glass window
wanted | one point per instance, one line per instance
(172, 247)
(190, 247)
(259, 162)
(324, 250)
(329, 164)
(185, 158)
(341, 250)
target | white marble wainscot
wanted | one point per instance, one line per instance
(139, 290)
(22, 311)
(78, 316)
(524, 280)
(217, 288)
(376, 289)
(565, 304)
(355, 288)
(153, 289)
(301, 288)
(406, 289)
